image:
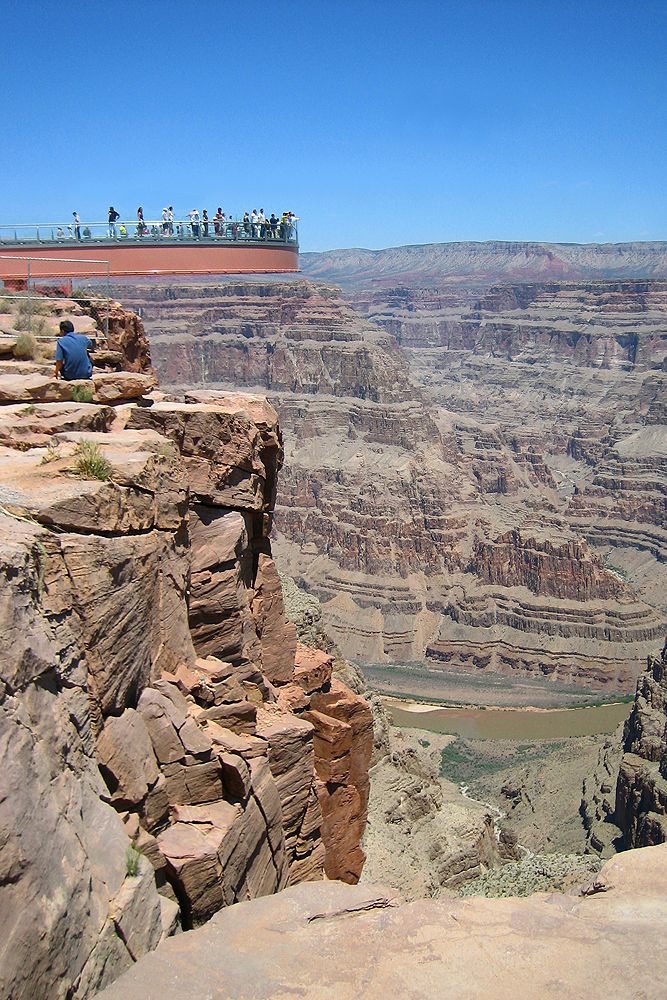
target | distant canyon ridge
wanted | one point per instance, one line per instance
(476, 448)
(483, 263)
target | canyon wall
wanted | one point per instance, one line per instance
(641, 788)
(463, 482)
(169, 748)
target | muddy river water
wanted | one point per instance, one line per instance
(509, 724)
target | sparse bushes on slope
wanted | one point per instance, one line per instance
(82, 394)
(91, 464)
(25, 347)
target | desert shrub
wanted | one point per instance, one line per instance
(28, 316)
(90, 463)
(25, 346)
(82, 394)
(22, 321)
(132, 859)
(52, 453)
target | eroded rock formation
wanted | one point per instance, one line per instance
(474, 476)
(641, 789)
(169, 749)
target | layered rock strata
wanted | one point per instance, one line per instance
(423, 456)
(603, 323)
(169, 747)
(641, 788)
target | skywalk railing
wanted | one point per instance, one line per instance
(125, 232)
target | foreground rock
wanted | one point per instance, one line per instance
(335, 941)
(167, 746)
(102, 387)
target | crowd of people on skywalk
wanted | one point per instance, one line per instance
(255, 225)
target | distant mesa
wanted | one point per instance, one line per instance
(483, 263)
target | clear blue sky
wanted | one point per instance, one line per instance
(379, 123)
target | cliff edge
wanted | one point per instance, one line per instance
(337, 941)
(168, 747)
(641, 788)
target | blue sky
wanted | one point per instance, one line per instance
(378, 123)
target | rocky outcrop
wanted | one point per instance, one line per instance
(424, 838)
(597, 807)
(331, 939)
(124, 332)
(641, 789)
(102, 387)
(170, 749)
(570, 570)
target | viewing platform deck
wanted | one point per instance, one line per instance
(56, 251)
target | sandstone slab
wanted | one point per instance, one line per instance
(312, 668)
(126, 758)
(227, 462)
(33, 388)
(115, 387)
(277, 634)
(327, 941)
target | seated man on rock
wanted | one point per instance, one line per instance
(72, 348)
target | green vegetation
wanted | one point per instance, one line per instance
(535, 873)
(616, 570)
(91, 464)
(82, 394)
(52, 453)
(29, 409)
(25, 347)
(27, 313)
(132, 861)
(466, 761)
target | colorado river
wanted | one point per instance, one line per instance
(510, 724)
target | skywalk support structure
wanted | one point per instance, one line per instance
(64, 256)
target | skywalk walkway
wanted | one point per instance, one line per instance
(53, 250)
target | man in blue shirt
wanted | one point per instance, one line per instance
(72, 348)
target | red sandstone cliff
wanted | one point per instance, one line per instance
(570, 570)
(153, 693)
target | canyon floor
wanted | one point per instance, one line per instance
(424, 682)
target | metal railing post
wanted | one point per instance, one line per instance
(29, 298)
(106, 318)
